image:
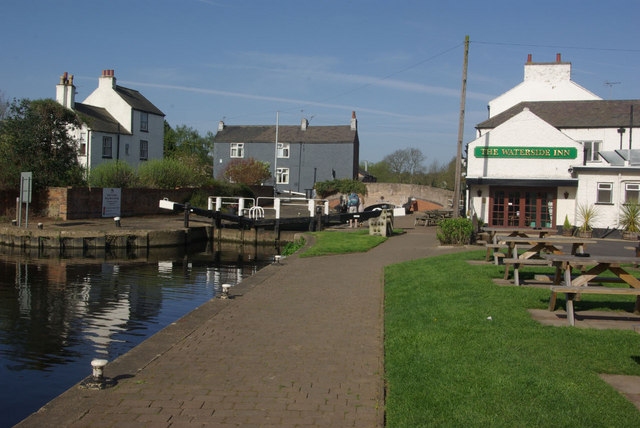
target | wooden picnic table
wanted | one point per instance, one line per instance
(544, 244)
(536, 246)
(524, 232)
(576, 285)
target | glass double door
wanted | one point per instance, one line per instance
(523, 207)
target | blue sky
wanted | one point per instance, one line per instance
(398, 64)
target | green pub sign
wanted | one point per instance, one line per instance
(526, 152)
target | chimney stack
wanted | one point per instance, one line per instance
(107, 80)
(558, 58)
(304, 124)
(529, 59)
(65, 91)
(220, 126)
(354, 122)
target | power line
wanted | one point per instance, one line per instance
(555, 46)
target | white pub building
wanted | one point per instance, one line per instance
(551, 147)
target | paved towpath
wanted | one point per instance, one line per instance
(300, 344)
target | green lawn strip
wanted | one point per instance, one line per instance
(336, 242)
(448, 365)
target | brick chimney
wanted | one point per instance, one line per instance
(65, 91)
(107, 80)
(354, 121)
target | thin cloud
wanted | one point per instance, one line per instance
(298, 102)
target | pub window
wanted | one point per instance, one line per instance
(605, 191)
(107, 143)
(83, 148)
(237, 150)
(144, 121)
(282, 175)
(283, 150)
(631, 193)
(591, 149)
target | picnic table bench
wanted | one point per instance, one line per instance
(496, 235)
(532, 255)
(579, 284)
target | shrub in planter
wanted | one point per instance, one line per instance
(567, 229)
(456, 231)
(587, 214)
(630, 220)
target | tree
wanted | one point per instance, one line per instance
(405, 164)
(186, 145)
(34, 137)
(247, 171)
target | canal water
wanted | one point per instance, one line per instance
(57, 314)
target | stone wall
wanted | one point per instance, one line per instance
(399, 194)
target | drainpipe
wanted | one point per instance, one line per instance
(118, 144)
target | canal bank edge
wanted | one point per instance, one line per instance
(134, 238)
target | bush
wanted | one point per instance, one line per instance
(343, 185)
(456, 231)
(112, 174)
(167, 173)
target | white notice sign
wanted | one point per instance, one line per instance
(111, 197)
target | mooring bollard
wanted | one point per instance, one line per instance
(277, 259)
(98, 368)
(117, 221)
(225, 291)
(40, 226)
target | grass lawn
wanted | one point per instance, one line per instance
(446, 364)
(337, 242)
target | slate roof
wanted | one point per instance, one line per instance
(137, 101)
(574, 114)
(98, 119)
(286, 134)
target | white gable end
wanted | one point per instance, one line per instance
(521, 132)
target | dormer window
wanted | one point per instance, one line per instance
(144, 121)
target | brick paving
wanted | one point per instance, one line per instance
(299, 344)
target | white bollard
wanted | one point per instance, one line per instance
(225, 291)
(98, 368)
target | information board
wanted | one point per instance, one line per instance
(111, 199)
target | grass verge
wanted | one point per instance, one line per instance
(336, 242)
(447, 364)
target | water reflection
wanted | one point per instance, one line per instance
(57, 313)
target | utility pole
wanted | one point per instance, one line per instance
(456, 189)
(275, 159)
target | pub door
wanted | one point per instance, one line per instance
(522, 207)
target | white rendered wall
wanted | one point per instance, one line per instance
(542, 82)
(523, 130)
(608, 214)
(106, 97)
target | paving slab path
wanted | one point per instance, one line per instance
(299, 344)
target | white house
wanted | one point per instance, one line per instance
(538, 161)
(118, 123)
